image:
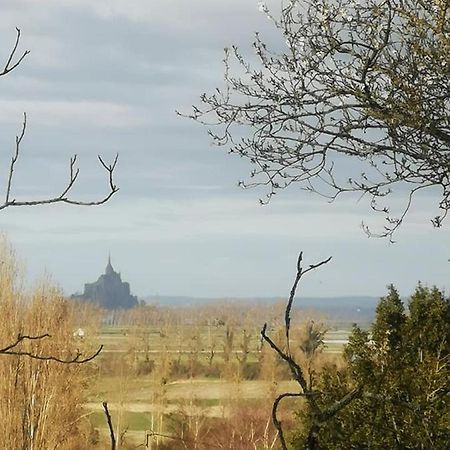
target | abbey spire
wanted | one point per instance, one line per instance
(109, 268)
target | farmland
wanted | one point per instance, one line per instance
(188, 378)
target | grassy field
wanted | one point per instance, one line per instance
(120, 338)
(141, 403)
(138, 408)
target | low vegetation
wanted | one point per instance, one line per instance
(204, 379)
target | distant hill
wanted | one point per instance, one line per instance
(344, 309)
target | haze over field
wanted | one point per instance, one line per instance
(106, 76)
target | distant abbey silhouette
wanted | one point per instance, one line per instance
(109, 291)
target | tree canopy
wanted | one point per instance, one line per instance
(402, 366)
(356, 98)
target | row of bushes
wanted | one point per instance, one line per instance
(115, 364)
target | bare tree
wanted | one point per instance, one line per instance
(355, 98)
(244, 350)
(320, 415)
(12, 63)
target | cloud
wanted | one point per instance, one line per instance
(175, 14)
(212, 217)
(106, 76)
(81, 113)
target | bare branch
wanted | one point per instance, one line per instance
(73, 176)
(276, 421)
(320, 415)
(296, 370)
(15, 157)
(110, 426)
(21, 338)
(12, 349)
(333, 409)
(10, 65)
(300, 274)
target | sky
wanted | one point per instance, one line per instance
(106, 77)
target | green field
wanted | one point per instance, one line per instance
(150, 401)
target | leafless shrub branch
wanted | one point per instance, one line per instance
(320, 414)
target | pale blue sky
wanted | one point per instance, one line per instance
(106, 76)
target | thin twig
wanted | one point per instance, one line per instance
(15, 157)
(8, 68)
(299, 275)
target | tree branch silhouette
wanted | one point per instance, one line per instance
(110, 425)
(14, 349)
(9, 200)
(319, 414)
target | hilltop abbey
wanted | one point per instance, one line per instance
(109, 291)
